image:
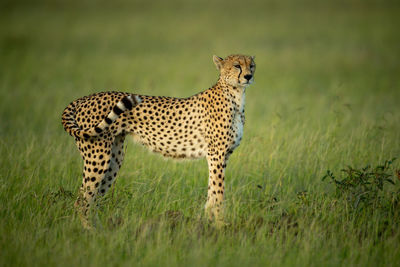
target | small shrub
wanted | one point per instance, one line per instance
(364, 188)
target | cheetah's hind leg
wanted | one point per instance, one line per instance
(96, 154)
(117, 156)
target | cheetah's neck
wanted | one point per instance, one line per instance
(237, 95)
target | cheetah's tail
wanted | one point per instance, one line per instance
(70, 125)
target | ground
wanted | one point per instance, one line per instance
(326, 95)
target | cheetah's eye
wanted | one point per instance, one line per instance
(237, 66)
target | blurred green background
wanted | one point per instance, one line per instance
(326, 95)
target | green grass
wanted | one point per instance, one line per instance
(326, 96)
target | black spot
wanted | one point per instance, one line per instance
(98, 130)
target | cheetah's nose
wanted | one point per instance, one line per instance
(248, 77)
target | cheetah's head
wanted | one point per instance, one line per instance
(236, 70)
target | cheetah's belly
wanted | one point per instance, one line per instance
(189, 146)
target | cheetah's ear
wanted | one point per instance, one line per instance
(218, 61)
(253, 57)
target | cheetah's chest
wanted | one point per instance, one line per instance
(237, 131)
(238, 122)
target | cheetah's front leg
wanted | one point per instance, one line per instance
(216, 167)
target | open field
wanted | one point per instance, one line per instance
(326, 95)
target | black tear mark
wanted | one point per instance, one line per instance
(240, 68)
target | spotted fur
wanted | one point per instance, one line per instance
(208, 124)
(76, 130)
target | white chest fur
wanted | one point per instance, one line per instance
(238, 120)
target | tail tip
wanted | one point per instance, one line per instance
(138, 99)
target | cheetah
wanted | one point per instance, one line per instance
(208, 124)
